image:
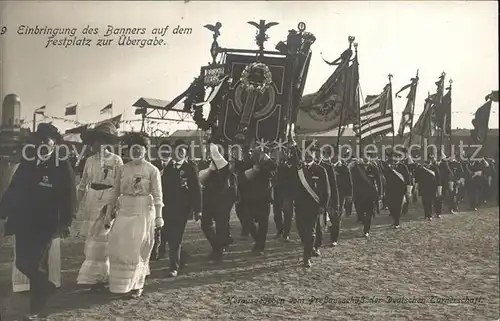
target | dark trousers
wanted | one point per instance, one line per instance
(307, 219)
(474, 189)
(240, 213)
(395, 205)
(218, 213)
(336, 220)
(173, 231)
(318, 240)
(283, 213)
(429, 201)
(32, 259)
(256, 221)
(450, 197)
(365, 209)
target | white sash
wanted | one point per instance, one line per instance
(398, 174)
(306, 185)
(428, 170)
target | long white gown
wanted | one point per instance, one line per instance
(131, 239)
(90, 217)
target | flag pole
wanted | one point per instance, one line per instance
(413, 108)
(34, 121)
(451, 129)
(392, 108)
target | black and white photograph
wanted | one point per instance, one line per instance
(249, 160)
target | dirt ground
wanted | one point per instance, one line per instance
(453, 258)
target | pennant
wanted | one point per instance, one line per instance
(480, 123)
(107, 109)
(70, 110)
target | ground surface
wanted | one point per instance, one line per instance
(455, 257)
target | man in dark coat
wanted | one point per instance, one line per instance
(344, 181)
(311, 197)
(398, 186)
(333, 210)
(427, 177)
(283, 197)
(254, 185)
(219, 194)
(182, 198)
(39, 206)
(367, 191)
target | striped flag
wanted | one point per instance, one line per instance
(70, 110)
(376, 115)
(107, 109)
(40, 111)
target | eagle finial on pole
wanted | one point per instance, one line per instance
(261, 36)
(214, 49)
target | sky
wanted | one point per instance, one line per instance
(394, 37)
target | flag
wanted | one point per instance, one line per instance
(321, 111)
(376, 115)
(423, 126)
(70, 110)
(443, 114)
(407, 117)
(40, 111)
(107, 109)
(480, 123)
(114, 120)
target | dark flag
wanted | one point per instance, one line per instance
(443, 114)
(70, 110)
(407, 117)
(423, 126)
(480, 123)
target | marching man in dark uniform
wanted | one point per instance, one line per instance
(344, 181)
(39, 206)
(446, 175)
(283, 196)
(367, 191)
(428, 180)
(333, 210)
(477, 169)
(218, 199)
(311, 198)
(254, 185)
(457, 179)
(181, 196)
(398, 186)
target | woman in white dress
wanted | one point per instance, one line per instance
(94, 191)
(137, 189)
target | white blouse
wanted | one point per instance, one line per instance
(100, 170)
(141, 179)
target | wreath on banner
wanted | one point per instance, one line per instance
(256, 76)
(197, 96)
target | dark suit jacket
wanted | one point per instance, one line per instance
(334, 189)
(428, 179)
(181, 191)
(40, 198)
(344, 179)
(366, 182)
(317, 179)
(397, 178)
